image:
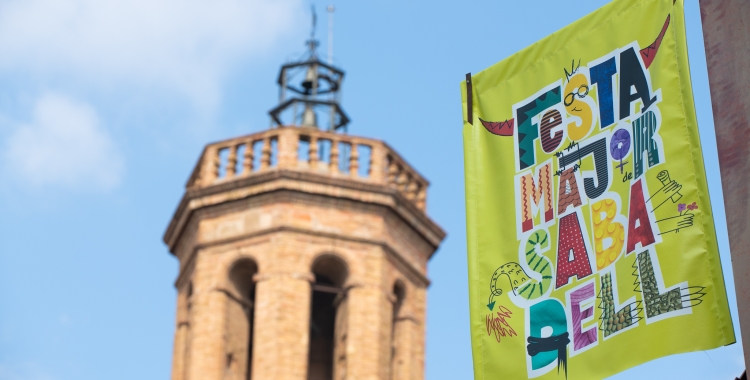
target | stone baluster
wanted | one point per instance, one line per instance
(422, 197)
(334, 156)
(232, 161)
(212, 166)
(378, 163)
(353, 160)
(411, 188)
(401, 179)
(287, 148)
(392, 173)
(247, 163)
(312, 156)
(383, 165)
(265, 158)
(370, 162)
(197, 177)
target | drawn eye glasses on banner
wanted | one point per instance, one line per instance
(581, 92)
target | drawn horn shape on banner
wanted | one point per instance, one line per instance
(500, 128)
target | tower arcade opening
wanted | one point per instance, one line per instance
(327, 315)
(240, 310)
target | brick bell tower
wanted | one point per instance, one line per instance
(302, 251)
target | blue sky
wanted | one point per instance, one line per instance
(105, 106)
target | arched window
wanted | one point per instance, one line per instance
(327, 350)
(240, 302)
(397, 357)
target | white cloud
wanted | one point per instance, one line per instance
(184, 45)
(23, 371)
(64, 145)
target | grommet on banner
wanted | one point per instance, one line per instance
(469, 96)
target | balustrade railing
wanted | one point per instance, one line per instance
(310, 150)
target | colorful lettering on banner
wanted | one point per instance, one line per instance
(539, 264)
(644, 136)
(524, 288)
(551, 136)
(528, 131)
(614, 318)
(602, 76)
(659, 301)
(572, 251)
(619, 148)
(547, 337)
(634, 86)
(598, 184)
(535, 194)
(612, 131)
(578, 105)
(640, 228)
(583, 339)
(609, 231)
(568, 194)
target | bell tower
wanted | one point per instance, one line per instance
(302, 250)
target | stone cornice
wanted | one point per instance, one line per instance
(304, 182)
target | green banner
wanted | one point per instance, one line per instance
(591, 240)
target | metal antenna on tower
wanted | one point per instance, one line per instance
(330, 34)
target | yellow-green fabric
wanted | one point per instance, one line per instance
(591, 242)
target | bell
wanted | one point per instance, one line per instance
(309, 118)
(311, 78)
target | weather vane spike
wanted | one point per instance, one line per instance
(312, 42)
(314, 21)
